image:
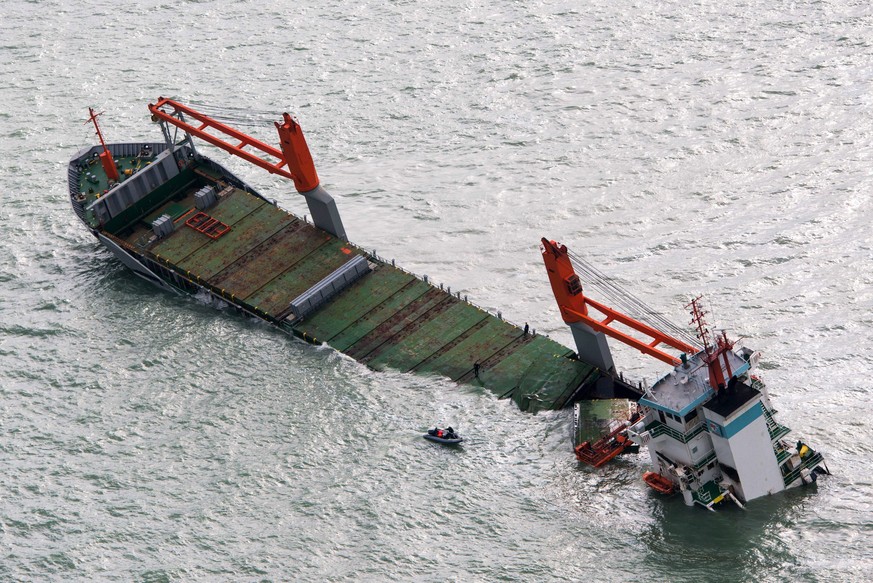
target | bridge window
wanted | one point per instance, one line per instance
(691, 415)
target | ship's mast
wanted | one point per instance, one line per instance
(105, 156)
(713, 355)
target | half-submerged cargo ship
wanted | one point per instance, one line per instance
(188, 225)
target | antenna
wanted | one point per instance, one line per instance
(711, 353)
(698, 319)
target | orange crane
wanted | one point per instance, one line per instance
(294, 153)
(292, 160)
(575, 307)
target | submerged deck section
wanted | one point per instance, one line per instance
(386, 319)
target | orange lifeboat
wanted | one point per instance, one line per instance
(659, 483)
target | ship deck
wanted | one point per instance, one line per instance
(388, 319)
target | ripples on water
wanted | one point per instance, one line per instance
(683, 148)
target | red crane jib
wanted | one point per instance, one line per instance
(293, 161)
(575, 306)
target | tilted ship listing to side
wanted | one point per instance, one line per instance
(188, 225)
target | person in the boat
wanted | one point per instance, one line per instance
(447, 433)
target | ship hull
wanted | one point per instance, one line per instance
(274, 266)
(136, 265)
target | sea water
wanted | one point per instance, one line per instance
(716, 148)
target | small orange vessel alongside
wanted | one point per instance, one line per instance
(604, 449)
(659, 483)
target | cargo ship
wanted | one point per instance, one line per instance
(186, 224)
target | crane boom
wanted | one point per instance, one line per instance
(292, 160)
(575, 306)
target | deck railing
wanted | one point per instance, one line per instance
(776, 430)
(657, 429)
(807, 463)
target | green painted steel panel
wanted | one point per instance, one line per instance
(593, 418)
(236, 206)
(275, 296)
(482, 344)
(353, 303)
(248, 232)
(537, 374)
(271, 259)
(385, 310)
(548, 382)
(180, 244)
(439, 355)
(505, 374)
(396, 328)
(432, 332)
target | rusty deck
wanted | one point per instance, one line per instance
(388, 319)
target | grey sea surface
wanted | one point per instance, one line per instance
(684, 148)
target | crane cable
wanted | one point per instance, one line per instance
(236, 115)
(627, 302)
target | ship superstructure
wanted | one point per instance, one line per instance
(709, 425)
